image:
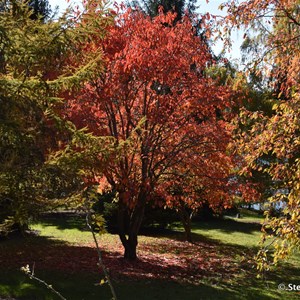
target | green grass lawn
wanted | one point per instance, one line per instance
(219, 265)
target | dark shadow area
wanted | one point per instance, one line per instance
(204, 241)
(166, 269)
(80, 286)
(160, 232)
(50, 254)
(202, 245)
(71, 220)
(228, 226)
(64, 220)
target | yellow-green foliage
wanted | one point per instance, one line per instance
(35, 76)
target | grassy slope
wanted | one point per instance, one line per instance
(228, 238)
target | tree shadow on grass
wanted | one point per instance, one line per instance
(201, 243)
(199, 239)
(223, 226)
(163, 259)
(206, 270)
(228, 226)
(158, 258)
(63, 220)
(171, 240)
(71, 220)
(82, 286)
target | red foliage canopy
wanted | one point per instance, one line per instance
(155, 93)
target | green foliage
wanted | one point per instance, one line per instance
(107, 206)
(270, 147)
(268, 124)
(42, 157)
(159, 218)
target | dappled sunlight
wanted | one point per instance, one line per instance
(164, 259)
(159, 258)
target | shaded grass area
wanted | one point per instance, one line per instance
(83, 286)
(218, 266)
(246, 215)
(229, 231)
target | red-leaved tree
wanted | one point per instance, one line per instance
(167, 114)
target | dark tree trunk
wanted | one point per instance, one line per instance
(188, 231)
(130, 248)
(134, 216)
(129, 225)
(186, 222)
(20, 228)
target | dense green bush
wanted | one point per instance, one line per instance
(107, 206)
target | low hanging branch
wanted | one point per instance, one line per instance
(30, 274)
(100, 261)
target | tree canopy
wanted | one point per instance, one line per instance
(275, 24)
(169, 114)
(35, 75)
